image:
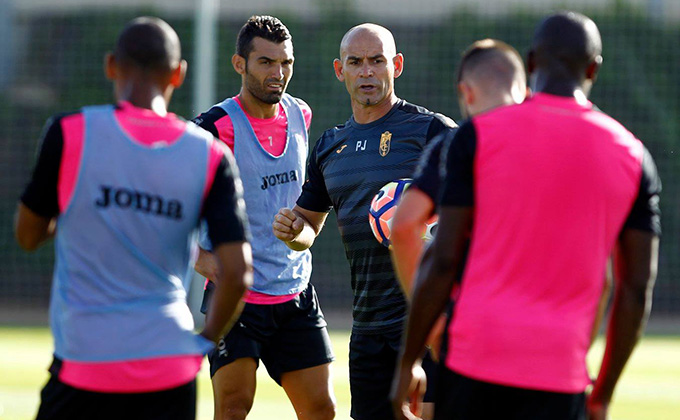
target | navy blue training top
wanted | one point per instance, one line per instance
(347, 167)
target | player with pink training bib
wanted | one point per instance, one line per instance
(126, 185)
(549, 189)
(281, 324)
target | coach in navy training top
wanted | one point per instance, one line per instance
(346, 169)
(380, 143)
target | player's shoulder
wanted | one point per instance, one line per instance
(306, 110)
(411, 109)
(197, 131)
(331, 138)
(301, 103)
(56, 119)
(609, 122)
(445, 136)
(55, 123)
(208, 119)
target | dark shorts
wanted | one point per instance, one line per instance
(372, 362)
(461, 398)
(60, 401)
(287, 336)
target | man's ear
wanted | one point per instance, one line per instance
(178, 75)
(110, 69)
(593, 68)
(239, 64)
(337, 66)
(398, 61)
(465, 93)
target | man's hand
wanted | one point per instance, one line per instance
(408, 388)
(287, 225)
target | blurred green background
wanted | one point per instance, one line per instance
(51, 57)
(51, 61)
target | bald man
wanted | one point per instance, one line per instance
(118, 187)
(381, 142)
(554, 186)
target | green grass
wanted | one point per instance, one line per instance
(650, 388)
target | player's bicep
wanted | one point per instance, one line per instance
(314, 194)
(637, 260)
(449, 246)
(235, 258)
(40, 195)
(224, 208)
(30, 228)
(458, 169)
(645, 214)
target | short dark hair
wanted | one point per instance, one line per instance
(267, 27)
(566, 42)
(148, 43)
(480, 50)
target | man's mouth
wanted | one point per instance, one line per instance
(275, 86)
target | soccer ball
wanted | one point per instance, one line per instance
(430, 228)
(383, 207)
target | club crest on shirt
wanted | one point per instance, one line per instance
(385, 140)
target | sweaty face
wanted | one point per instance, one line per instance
(368, 69)
(268, 69)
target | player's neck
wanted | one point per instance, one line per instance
(255, 107)
(485, 104)
(142, 95)
(570, 88)
(365, 114)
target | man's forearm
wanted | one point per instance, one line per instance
(304, 240)
(235, 277)
(636, 266)
(430, 295)
(408, 224)
(407, 247)
(628, 318)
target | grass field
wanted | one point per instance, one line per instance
(650, 389)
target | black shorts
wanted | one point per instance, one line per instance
(60, 401)
(372, 362)
(287, 336)
(461, 398)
